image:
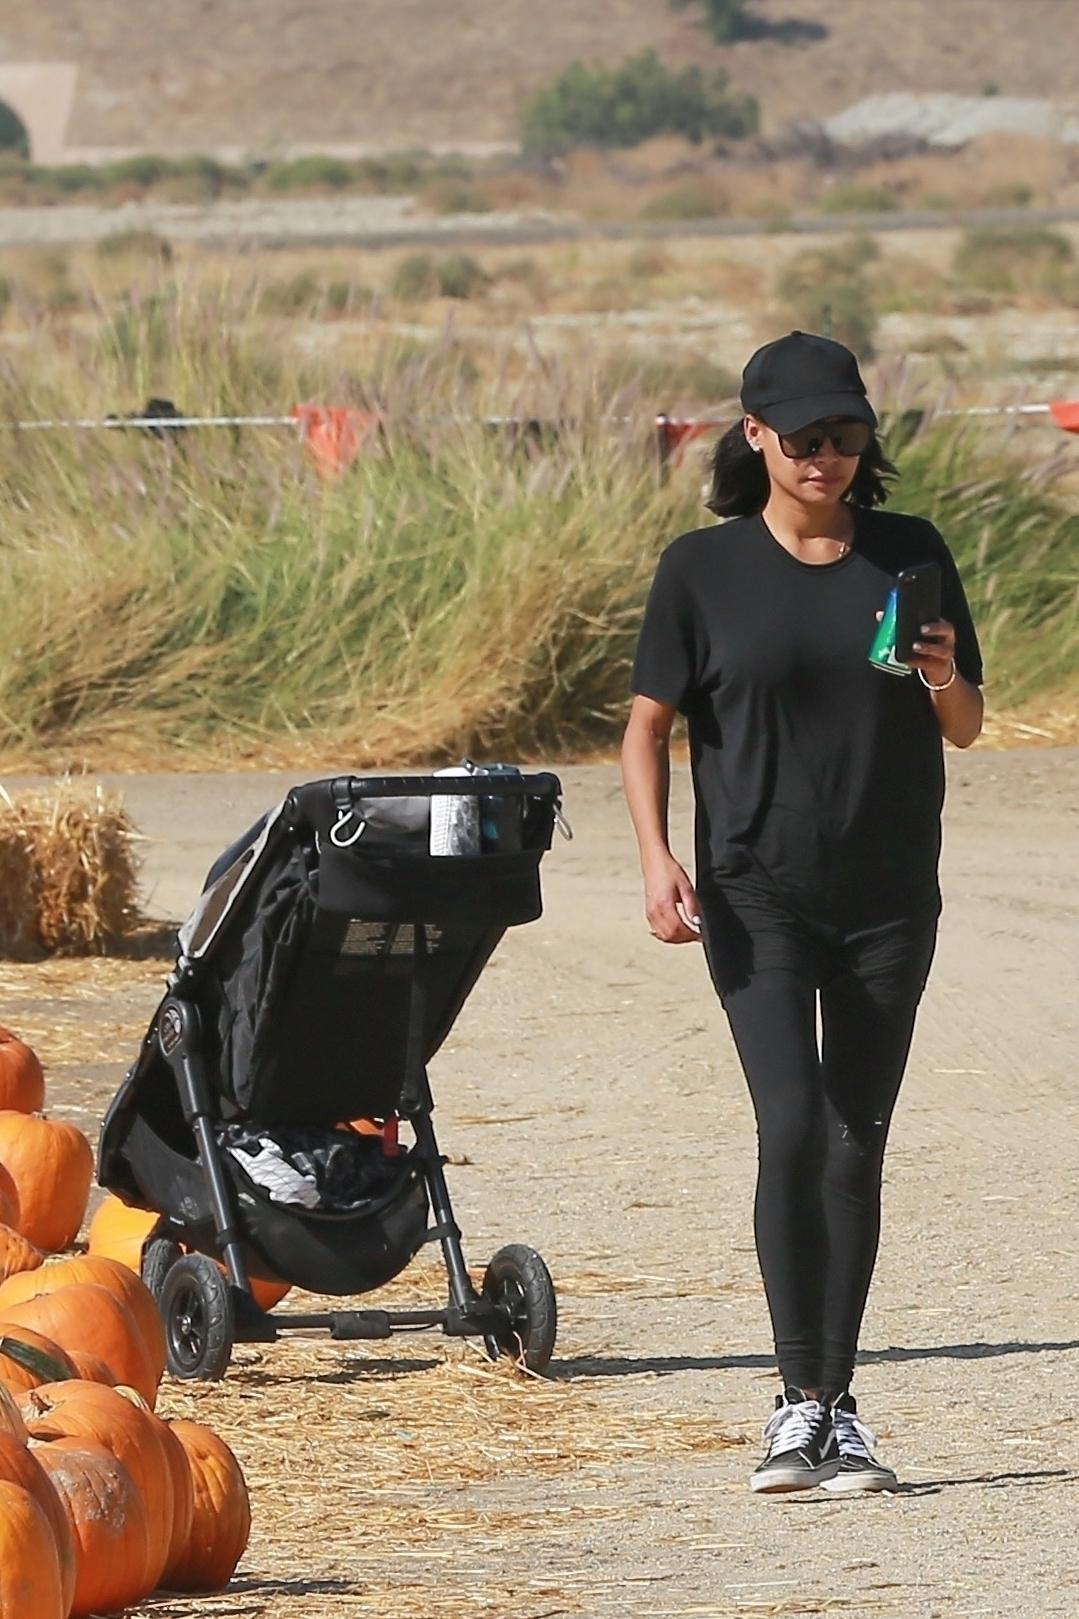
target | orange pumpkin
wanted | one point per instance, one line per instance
(22, 1083)
(107, 1520)
(86, 1316)
(264, 1292)
(183, 1497)
(27, 1360)
(120, 1233)
(16, 1254)
(30, 1581)
(52, 1165)
(79, 1410)
(221, 1520)
(9, 1201)
(11, 1418)
(110, 1274)
(20, 1466)
(91, 1368)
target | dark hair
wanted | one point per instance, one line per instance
(740, 477)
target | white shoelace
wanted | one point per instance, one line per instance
(852, 1435)
(792, 1426)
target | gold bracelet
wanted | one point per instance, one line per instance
(928, 684)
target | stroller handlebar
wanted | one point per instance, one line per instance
(345, 790)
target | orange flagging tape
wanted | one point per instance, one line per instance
(1065, 413)
(676, 436)
(334, 434)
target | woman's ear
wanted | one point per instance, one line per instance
(752, 429)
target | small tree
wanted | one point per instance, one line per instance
(629, 104)
(725, 19)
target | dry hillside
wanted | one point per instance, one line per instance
(263, 74)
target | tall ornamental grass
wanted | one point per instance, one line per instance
(459, 589)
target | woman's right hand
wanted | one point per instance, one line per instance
(670, 902)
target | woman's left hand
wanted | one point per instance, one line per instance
(934, 651)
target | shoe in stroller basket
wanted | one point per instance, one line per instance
(323, 967)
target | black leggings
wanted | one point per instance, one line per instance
(822, 1111)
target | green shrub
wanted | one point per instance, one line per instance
(69, 179)
(629, 104)
(859, 197)
(455, 197)
(341, 297)
(1013, 259)
(145, 169)
(145, 244)
(693, 200)
(310, 174)
(399, 171)
(295, 295)
(414, 278)
(459, 275)
(422, 275)
(827, 291)
(62, 298)
(200, 178)
(305, 293)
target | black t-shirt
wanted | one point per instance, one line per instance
(812, 769)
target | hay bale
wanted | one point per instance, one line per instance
(68, 872)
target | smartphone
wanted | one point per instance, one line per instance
(917, 603)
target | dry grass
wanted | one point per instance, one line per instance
(360, 1467)
(67, 872)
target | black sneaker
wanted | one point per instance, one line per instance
(858, 1468)
(802, 1451)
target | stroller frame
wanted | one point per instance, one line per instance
(206, 1309)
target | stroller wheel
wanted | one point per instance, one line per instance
(519, 1285)
(197, 1311)
(157, 1261)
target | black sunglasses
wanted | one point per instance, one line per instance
(847, 437)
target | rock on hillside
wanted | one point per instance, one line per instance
(944, 120)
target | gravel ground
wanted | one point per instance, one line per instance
(591, 1085)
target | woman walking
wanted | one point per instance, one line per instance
(818, 783)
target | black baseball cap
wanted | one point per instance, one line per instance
(800, 379)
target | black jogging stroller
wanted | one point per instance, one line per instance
(324, 965)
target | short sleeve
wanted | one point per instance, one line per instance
(956, 609)
(667, 660)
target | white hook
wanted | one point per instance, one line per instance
(337, 838)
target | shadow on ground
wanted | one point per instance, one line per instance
(666, 1365)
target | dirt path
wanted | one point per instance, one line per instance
(396, 221)
(592, 1087)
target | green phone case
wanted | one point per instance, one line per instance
(882, 652)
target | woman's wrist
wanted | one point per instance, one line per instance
(944, 685)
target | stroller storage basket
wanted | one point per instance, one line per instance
(325, 1252)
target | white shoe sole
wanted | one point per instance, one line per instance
(788, 1482)
(860, 1483)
